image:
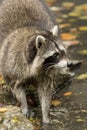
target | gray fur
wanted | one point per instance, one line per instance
(16, 14)
(30, 50)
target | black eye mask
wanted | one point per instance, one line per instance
(55, 58)
(52, 60)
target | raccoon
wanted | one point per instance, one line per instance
(31, 51)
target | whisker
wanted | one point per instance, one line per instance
(45, 66)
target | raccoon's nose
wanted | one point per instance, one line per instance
(69, 65)
(74, 65)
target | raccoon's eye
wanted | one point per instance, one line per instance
(56, 55)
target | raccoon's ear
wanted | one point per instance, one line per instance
(39, 41)
(54, 30)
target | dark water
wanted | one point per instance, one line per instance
(72, 113)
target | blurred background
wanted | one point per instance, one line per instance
(70, 111)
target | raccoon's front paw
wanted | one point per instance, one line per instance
(46, 120)
(28, 113)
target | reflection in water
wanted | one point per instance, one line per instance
(46, 126)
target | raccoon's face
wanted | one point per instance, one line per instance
(50, 54)
(55, 58)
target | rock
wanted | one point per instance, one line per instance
(13, 119)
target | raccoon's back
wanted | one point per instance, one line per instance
(16, 14)
(13, 60)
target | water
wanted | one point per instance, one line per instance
(72, 113)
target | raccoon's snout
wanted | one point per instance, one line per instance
(73, 65)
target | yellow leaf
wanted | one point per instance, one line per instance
(83, 28)
(56, 102)
(67, 94)
(83, 52)
(65, 25)
(59, 20)
(82, 76)
(80, 8)
(64, 16)
(72, 20)
(74, 14)
(15, 119)
(2, 82)
(81, 120)
(31, 119)
(67, 36)
(2, 110)
(68, 5)
(83, 17)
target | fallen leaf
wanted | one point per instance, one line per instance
(72, 20)
(83, 52)
(1, 78)
(59, 20)
(68, 5)
(80, 120)
(85, 7)
(15, 119)
(84, 111)
(55, 102)
(74, 14)
(34, 120)
(79, 8)
(67, 36)
(67, 94)
(67, 44)
(50, 2)
(83, 28)
(2, 110)
(56, 9)
(83, 17)
(31, 119)
(2, 82)
(65, 25)
(74, 30)
(64, 16)
(74, 42)
(82, 76)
